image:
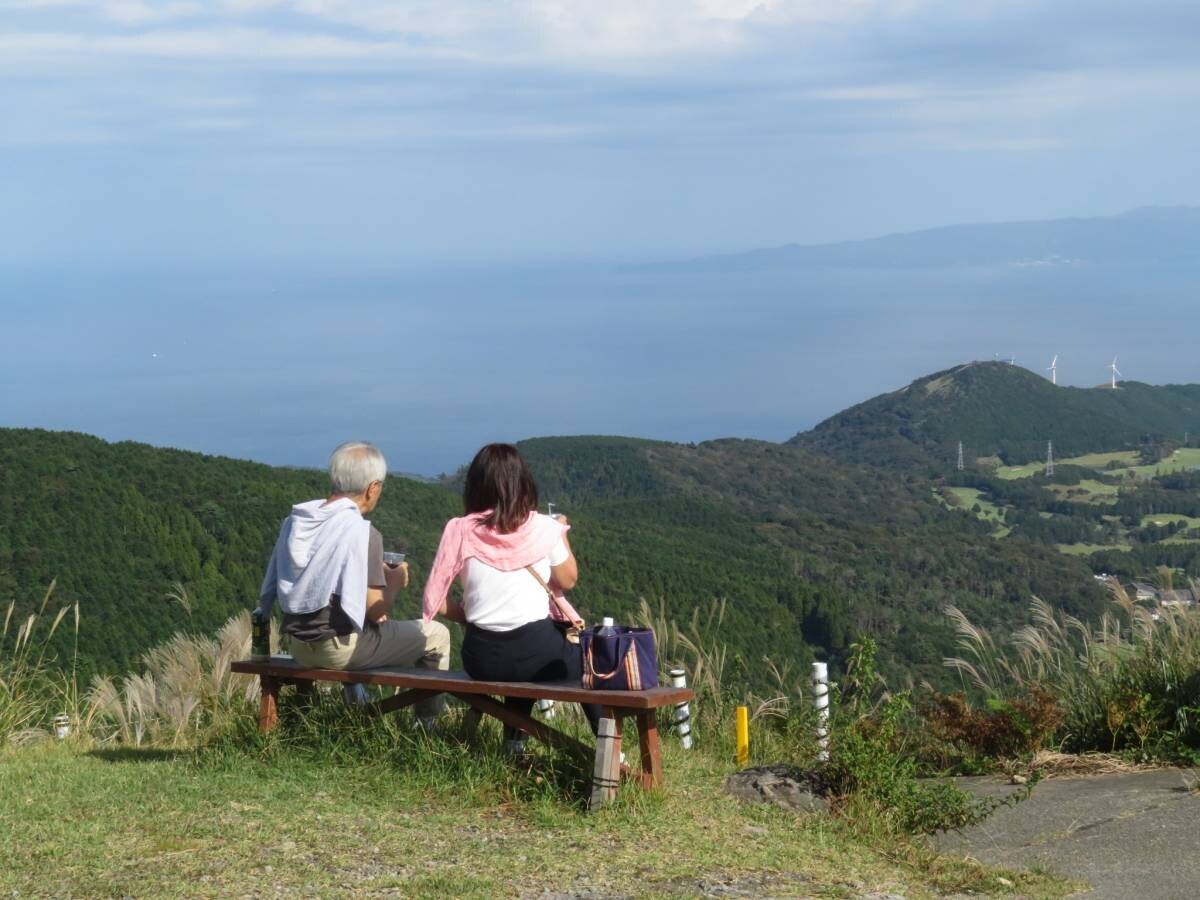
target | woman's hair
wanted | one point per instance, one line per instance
(498, 480)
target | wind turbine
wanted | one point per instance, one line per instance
(1115, 372)
(1053, 369)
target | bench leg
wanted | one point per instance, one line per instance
(652, 771)
(606, 775)
(268, 703)
(471, 724)
(512, 718)
(306, 694)
(399, 701)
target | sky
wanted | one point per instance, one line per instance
(258, 227)
(383, 133)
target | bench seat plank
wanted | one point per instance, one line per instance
(283, 668)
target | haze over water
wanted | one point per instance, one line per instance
(279, 366)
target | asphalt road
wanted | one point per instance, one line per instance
(1128, 836)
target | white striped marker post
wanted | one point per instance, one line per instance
(683, 715)
(820, 691)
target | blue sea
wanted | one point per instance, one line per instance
(279, 363)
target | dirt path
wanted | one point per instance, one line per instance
(1129, 836)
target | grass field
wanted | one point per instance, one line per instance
(1010, 473)
(1179, 461)
(1091, 490)
(1087, 491)
(1182, 459)
(1168, 518)
(1103, 460)
(967, 498)
(1088, 549)
(1097, 461)
(157, 823)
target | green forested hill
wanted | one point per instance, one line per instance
(806, 553)
(862, 550)
(997, 409)
(123, 526)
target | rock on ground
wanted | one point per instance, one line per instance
(782, 785)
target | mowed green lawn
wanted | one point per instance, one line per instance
(1169, 518)
(1090, 490)
(1097, 461)
(1103, 460)
(1087, 491)
(1089, 549)
(1182, 459)
(967, 498)
(1010, 473)
(155, 824)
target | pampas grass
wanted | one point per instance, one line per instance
(185, 688)
(1129, 683)
(31, 690)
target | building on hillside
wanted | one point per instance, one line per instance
(1180, 597)
(1143, 591)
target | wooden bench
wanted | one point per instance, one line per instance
(414, 685)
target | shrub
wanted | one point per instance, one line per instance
(1002, 729)
(874, 776)
(1131, 684)
(874, 770)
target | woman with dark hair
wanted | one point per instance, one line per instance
(513, 564)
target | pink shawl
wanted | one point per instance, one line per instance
(468, 538)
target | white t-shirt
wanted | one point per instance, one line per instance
(501, 601)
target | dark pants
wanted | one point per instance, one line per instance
(534, 652)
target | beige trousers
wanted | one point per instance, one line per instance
(398, 643)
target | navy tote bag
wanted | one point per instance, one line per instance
(624, 661)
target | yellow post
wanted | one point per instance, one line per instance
(743, 735)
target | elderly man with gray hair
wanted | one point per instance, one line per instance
(328, 576)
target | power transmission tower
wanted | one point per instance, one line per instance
(960, 459)
(1049, 458)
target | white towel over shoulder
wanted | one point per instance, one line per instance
(321, 550)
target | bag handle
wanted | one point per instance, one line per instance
(620, 658)
(549, 593)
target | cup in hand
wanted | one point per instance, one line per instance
(393, 559)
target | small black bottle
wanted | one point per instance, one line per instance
(260, 635)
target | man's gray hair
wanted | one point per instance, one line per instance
(354, 465)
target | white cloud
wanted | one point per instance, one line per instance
(122, 12)
(367, 132)
(214, 124)
(813, 55)
(563, 31)
(1010, 144)
(217, 103)
(133, 12)
(868, 93)
(47, 135)
(252, 44)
